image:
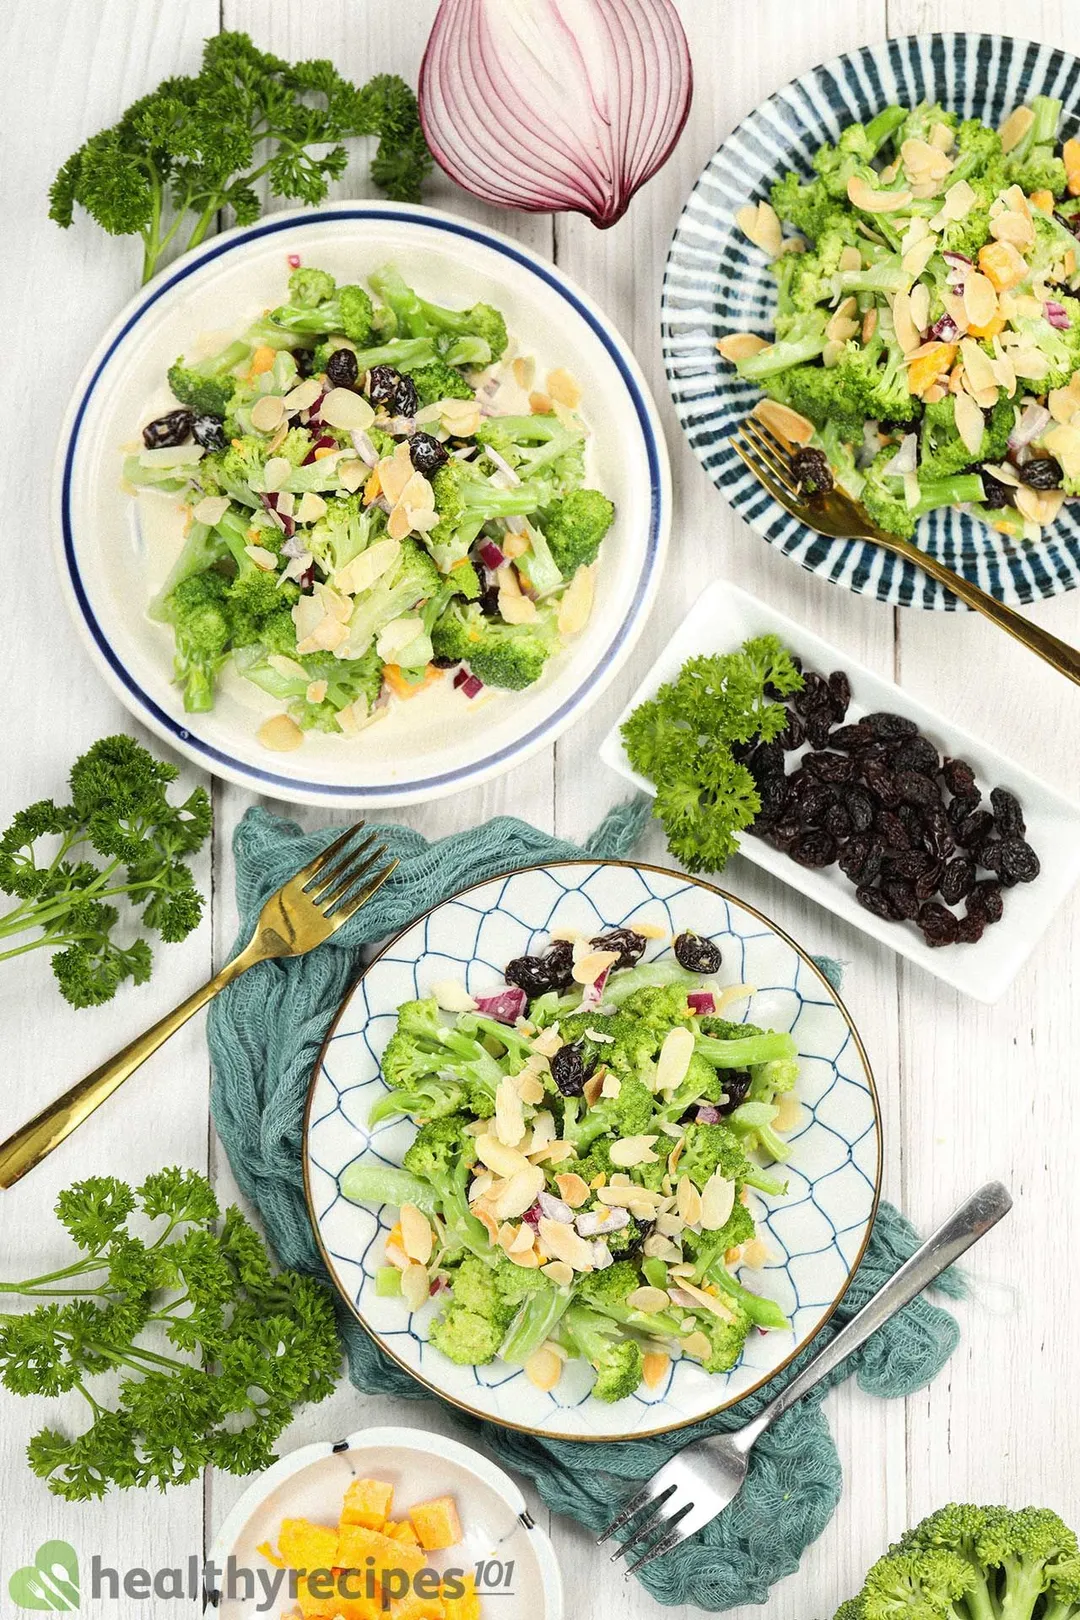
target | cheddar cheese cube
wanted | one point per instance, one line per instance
(307, 1546)
(367, 1502)
(436, 1523)
(356, 1544)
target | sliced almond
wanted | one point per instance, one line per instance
(368, 566)
(850, 259)
(869, 325)
(544, 1368)
(741, 345)
(560, 1273)
(783, 420)
(519, 1193)
(267, 412)
(280, 733)
(792, 244)
(553, 1153)
(611, 1087)
(631, 1150)
(708, 1302)
(415, 1286)
(573, 1190)
(564, 387)
(211, 509)
(588, 968)
(1040, 506)
(942, 137)
(530, 1089)
(979, 375)
(416, 1234)
(576, 602)
(688, 1201)
(659, 1247)
(649, 1300)
(697, 1345)
(980, 299)
(717, 1202)
(788, 1113)
(1015, 127)
(916, 259)
(755, 1253)
(509, 1112)
(303, 396)
(760, 224)
(957, 204)
(919, 303)
(452, 996)
(563, 1243)
(1029, 363)
(831, 353)
(861, 195)
(480, 1185)
(262, 558)
(342, 408)
(548, 1042)
(906, 334)
(527, 1259)
(969, 423)
(674, 1058)
(624, 1197)
(1015, 228)
(504, 1160)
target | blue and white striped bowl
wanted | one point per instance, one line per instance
(815, 1235)
(716, 282)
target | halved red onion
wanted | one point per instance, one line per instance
(944, 330)
(594, 993)
(491, 555)
(325, 443)
(702, 1001)
(1033, 422)
(505, 1005)
(708, 1114)
(509, 127)
(1057, 315)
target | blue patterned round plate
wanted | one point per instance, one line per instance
(716, 282)
(813, 1237)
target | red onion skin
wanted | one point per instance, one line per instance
(702, 1001)
(490, 151)
(708, 1114)
(944, 330)
(505, 1007)
(1057, 316)
(461, 677)
(472, 686)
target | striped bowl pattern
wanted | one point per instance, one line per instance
(815, 1234)
(716, 282)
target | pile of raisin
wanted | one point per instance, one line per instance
(909, 829)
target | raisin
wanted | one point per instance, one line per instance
(969, 930)
(818, 726)
(926, 886)
(568, 1070)
(1019, 861)
(939, 925)
(972, 831)
(890, 727)
(165, 431)
(882, 784)
(985, 900)
(811, 471)
(382, 385)
(774, 794)
(874, 900)
(305, 362)
(902, 897)
(794, 733)
(829, 767)
(853, 736)
(209, 431)
(813, 805)
(488, 601)
(536, 975)
(915, 754)
(814, 847)
(630, 946)
(406, 401)
(1041, 472)
(1008, 815)
(939, 836)
(907, 863)
(916, 789)
(892, 829)
(838, 822)
(815, 694)
(641, 1236)
(697, 955)
(963, 806)
(840, 691)
(959, 777)
(444, 663)
(767, 759)
(785, 831)
(860, 807)
(860, 859)
(736, 1083)
(342, 369)
(988, 854)
(427, 454)
(995, 493)
(957, 880)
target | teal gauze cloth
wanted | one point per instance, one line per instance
(265, 1033)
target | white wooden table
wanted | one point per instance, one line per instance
(969, 1091)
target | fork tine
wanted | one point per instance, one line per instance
(780, 446)
(642, 1498)
(765, 477)
(319, 890)
(344, 891)
(345, 911)
(776, 460)
(316, 865)
(674, 1534)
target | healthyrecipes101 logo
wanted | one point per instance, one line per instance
(51, 1581)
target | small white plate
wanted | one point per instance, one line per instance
(114, 551)
(814, 1234)
(723, 617)
(498, 1531)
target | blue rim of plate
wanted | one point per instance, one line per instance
(208, 754)
(715, 281)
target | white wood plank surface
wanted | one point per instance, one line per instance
(967, 1091)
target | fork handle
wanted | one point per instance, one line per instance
(1057, 653)
(55, 1123)
(964, 1227)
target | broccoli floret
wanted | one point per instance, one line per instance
(726, 1029)
(809, 208)
(941, 449)
(311, 286)
(411, 580)
(440, 381)
(628, 1114)
(465, 502)
(885, 502)
(1061, 348)
(198, 610)
(803, 341)
(726, 1336)
(920, 121)
(856, 147)
(716, 1147)
(418, 1084)
(437, 1047)
(465, 1337)
(575, 526)
(207, 387)
(452, 329)
(476, 1288)
(540, 448)
(344, 530)
(706, 1250)
(346, 309)
(916, 1585)
(508, 655)
(657, 1006)
(619, 1361)
(442, 1154)
(1032, 163)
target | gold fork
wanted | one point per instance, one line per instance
(302, 914)
(841, 518)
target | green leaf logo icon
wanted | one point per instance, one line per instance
(50, 1582)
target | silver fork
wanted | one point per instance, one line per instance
(700, 1482)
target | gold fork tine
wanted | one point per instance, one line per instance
(764, 477)
(319, 891)
(348, 880)
(776, 460)
(780, 446)
(318, 863)
(348, 907)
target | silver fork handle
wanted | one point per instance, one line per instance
(964, 1227)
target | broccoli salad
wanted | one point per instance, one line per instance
(927, 338)
(377, 491)
(578, 1185)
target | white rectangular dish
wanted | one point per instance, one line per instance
(723, 617)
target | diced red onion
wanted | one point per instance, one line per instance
(491, 555)
(473, 686)
(307, 579)
(461, 677)
(505, 1005)
(702, 1001)
(270, 505)
(1057, 315)
(1033, 422)
(364, 448)
(325, 443)
(594, 993)
(293, 261)
(509, 127)
(944, 330)
(437, 1286)
(533, 1214)
(708, 1114)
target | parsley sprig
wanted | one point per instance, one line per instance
(120, 813)
(686, 740)
(253, 1345)
(201, 143)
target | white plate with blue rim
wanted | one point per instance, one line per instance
(717, 282)
(113, 552)
(507, 1553)
(813, 1237)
